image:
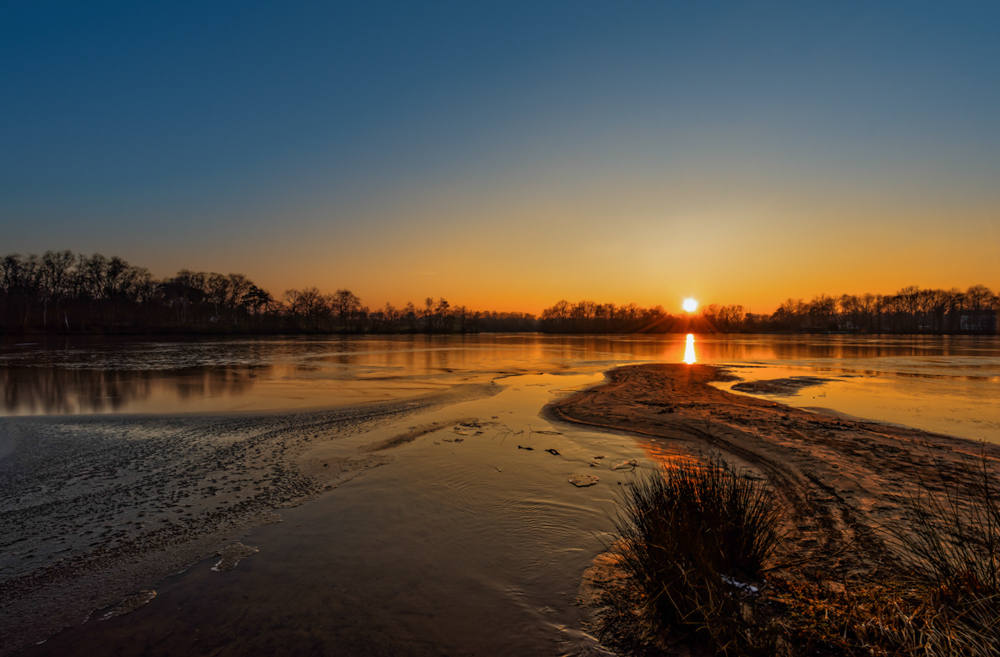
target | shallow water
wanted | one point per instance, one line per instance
(947, 384)
(471, 541)
(465, 543)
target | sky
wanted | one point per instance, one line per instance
(508, 155)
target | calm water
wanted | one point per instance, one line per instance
(466, 543)
(944, 384)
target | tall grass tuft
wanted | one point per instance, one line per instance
(950, 546)
(945, 598)
(686, 533)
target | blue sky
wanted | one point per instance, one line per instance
(506, 155)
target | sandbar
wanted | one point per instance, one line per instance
(840, 479)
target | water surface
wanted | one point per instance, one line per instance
(946, 384)
(467, 542)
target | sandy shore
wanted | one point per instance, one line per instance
(96, 509)
(840, 479)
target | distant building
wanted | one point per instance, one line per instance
(979, 321)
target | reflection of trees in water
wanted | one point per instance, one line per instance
(56, 391)
(218, 381)
(791, 350)
(52, 391)
(113, 374)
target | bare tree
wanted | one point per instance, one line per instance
(346, 304)
(978, 297)
(411, 315)
(428, 314)
(441, 315)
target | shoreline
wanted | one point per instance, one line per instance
(841, 480)
(861, 463)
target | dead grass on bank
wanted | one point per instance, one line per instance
(690, 538)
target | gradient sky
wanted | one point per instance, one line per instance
(507, 155)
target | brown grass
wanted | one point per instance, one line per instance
(685, 533)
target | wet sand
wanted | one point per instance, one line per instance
(96, 508)
(840, 479)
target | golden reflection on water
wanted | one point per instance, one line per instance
(947, 384)
(689, 356)
(670, 455)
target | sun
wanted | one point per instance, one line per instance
(690, 305)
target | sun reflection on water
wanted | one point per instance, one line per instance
(689, 356)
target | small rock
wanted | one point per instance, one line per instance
(625, 465)
(523, 447)
(553, 452)
(582, 481)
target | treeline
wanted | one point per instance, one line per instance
(590, 317)
(60, 292)
(911, 310)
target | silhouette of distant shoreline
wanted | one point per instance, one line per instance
(61, 293)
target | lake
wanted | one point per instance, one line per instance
(945, 384)
(465, 539)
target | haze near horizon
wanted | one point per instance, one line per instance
(508, 156)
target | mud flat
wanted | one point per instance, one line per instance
(95, 509)
(840, 478)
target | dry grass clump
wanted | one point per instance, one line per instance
(950, 547)
(945, 597)
(877, 620)
(687, 533)
(687, 536)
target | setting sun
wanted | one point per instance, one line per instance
(690, 305)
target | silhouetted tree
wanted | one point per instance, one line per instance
(346, 304)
